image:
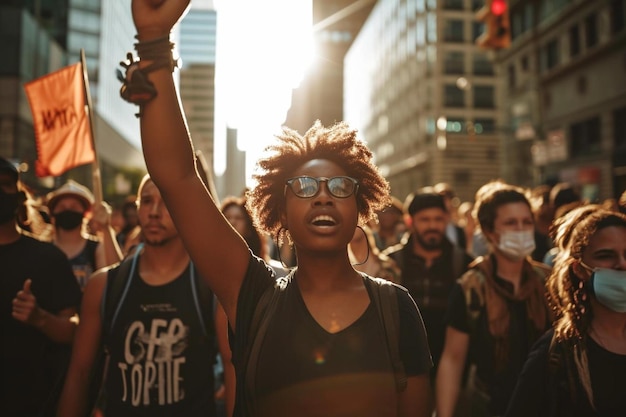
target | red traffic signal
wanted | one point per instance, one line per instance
(495, 15)
(498, 7)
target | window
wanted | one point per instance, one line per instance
(477, 29)
(511, 77)
(585, 137)
(484, 125)
(619, 129)
(516, 23)
(482, 65)
(550, 56)
(574, 41)
(591, 30)
(453, 4)
(529, 15)
(453, 96)
(522, 19)
(617, 15)
(455, 125)
(461, 177)
(483, 96)
(453, 30)
(84, 21)
(524, 63)
(453, 62)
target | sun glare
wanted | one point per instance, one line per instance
(263, 50)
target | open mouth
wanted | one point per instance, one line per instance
(323, 221)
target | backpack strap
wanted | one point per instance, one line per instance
(205, 301)
(263, 313)
(116, 289)
(118, 281)
(385, 298)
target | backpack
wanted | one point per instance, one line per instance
(119, 278)
(385, 299)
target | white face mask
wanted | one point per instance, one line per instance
(517, 244)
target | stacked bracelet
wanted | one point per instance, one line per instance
(159, 51)
(137, 88)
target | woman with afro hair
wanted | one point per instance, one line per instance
(578, 368)
(324, 351)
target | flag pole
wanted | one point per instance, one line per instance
(95, 166)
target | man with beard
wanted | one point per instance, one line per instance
(161, 346)
(69, 205)
(430, 263)
(38, 298)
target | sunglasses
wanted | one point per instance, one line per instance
(307, 187)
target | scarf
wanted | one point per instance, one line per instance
(494, 298)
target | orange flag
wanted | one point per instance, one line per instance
(62, 131)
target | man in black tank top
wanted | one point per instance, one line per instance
(162, 351)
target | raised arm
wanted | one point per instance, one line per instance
(219, 253)
(108, 251)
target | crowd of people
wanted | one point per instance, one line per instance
(315, 293)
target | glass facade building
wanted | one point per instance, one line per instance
(424, 96)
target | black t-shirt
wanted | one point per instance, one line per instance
(161, 361)
(430, 286)
(542, 387)
(31, 362)
(304, 370)
(499, 383)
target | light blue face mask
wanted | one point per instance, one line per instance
(609, 287)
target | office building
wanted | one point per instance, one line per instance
(197, 49)
(320, 94)
(424, 97)
(565, 86)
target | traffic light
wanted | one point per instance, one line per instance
(495, 15)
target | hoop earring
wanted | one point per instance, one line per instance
(278, 239)
(368, 247)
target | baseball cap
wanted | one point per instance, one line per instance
(9, 167)
(70, 189)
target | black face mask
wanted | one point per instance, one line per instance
(9, 203)
(68, 219)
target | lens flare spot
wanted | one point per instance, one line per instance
(319, 358)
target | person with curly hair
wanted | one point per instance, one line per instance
(578, 368)
(324, 350)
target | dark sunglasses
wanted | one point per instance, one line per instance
(307, 187)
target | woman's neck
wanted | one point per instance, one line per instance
(607, 323)
(325, 273)
(508, 269)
